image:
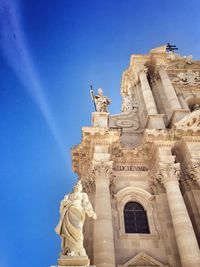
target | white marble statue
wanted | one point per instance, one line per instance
(101, 101)
(128, 104)
(72, 215)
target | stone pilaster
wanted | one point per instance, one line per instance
(154, 120)
(146, 91)
(104, 255)
(169, 175)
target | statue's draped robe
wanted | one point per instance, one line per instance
(102, 103)
(73, 209)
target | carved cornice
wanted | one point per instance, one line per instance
(187, 129)
(168, 172)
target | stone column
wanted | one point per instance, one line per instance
(169, 89)
(185, 236)
(177, 112)
(147, 93)
(104, 255)
(155, 120)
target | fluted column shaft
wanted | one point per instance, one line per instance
(185, 236)
(169, 89)
(104, 255)
(147, 93)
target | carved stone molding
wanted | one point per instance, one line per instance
(142, 259)
(141, 196)
(168, 172)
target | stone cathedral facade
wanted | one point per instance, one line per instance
(141, 167)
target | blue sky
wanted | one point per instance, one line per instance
(50, 52)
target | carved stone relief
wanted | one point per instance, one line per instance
(188, 78)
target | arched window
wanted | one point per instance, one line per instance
(135, 218)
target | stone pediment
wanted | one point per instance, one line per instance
(143, 259)
(189, 122)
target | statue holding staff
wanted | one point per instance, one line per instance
(101, 102)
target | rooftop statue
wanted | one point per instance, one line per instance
(101, 101)
(128, 104)
(72, 215)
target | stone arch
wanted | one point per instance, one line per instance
(141, 196)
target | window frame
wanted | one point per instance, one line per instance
(138, 214)
(144, 198)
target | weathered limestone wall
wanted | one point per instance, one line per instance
(129, 245)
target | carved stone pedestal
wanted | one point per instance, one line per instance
(155, 121)
(100, 119)
(65, 261)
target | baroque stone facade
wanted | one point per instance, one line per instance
(141, 168)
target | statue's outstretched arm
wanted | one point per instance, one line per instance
(88, 207)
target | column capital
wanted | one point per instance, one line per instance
(102, 170)
(168, 172)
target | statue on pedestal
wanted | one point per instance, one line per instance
(72, 215)
(101, 101)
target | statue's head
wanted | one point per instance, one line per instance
(100, 91)
(78, 187)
